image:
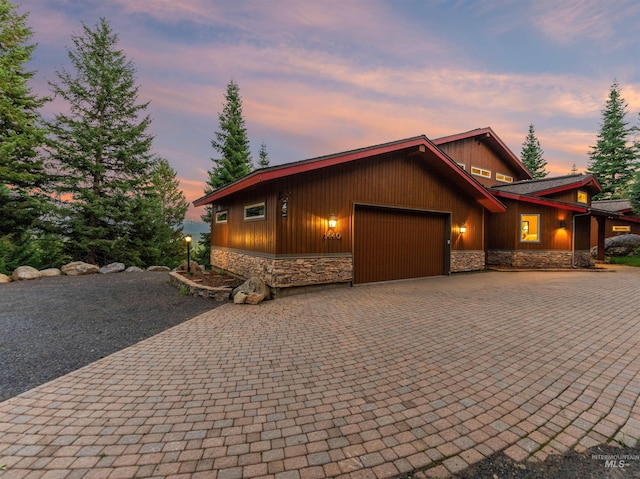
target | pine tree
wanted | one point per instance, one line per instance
(232, 143)
(101, 148)
(532, 155)
(613, 161)
(263, 155)
(22, 172)
(170, 208)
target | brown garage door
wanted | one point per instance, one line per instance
(397, 244)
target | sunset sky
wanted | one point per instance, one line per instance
(320, 77)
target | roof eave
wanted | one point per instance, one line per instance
(541, 201)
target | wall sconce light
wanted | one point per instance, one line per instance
(463, 229)
(333, 222)
(563, 225)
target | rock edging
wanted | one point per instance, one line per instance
(219, 294)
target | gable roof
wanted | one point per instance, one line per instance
(548, 186)
(420, 144)
(493, 141)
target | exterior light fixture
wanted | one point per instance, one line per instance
(563, 225)
(188, 239)
(463, 229)
(333, 222)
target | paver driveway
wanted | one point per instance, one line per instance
(370, 381)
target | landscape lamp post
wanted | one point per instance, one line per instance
(188, 240)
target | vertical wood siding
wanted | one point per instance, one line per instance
(400, 179)
(503, 229)
(472, 152)
(397, 180)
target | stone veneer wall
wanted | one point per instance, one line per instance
(467, 261)
(538, 259)
(287, 271)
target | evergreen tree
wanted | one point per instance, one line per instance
(22, 171)
(263, 155)
(613, 160)
(532, 155)
(170, 208)
(101, 149)
(232, 143)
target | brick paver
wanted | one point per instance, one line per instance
(372, 382)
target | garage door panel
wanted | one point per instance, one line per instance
(394, 244)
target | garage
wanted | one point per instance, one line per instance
(391, 244)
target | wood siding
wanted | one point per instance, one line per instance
(248, 235)
(399, 179)
(472, 152)
(570, 197)
(503, 230)
(394, 244)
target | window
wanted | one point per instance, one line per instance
(255, 211)
(461, 165)
(582, 197)
(529, 228)
(504, 178)
(221, 216)
(621, 229)
(480, 172)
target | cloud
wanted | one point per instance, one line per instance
(571, 20)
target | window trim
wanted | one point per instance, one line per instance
(504, 178)
(521, 229)
(481, 172)
(220, 213)
(256, 217)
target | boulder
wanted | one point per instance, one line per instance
(253, 285)
(5, 279)
(50, 272)
(77, 268)
(133, 269)
(254, 298)
(112, 268)
(622, 245)
(239, 297)
(158, 268)
(22, 273)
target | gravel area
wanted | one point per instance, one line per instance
(52, 326)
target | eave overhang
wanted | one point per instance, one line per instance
(542, 201)
(420, 145)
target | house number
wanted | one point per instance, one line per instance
(332, 236)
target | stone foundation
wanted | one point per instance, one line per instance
(538, 259)
(467, 261)
(286, 272)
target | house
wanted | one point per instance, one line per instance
(404, 209)
(615, 217)
(547, 223)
